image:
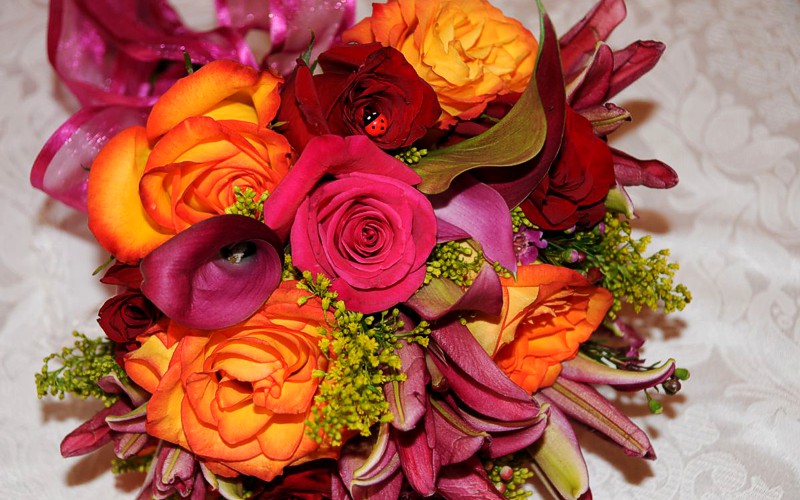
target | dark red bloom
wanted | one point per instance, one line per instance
(364, 90)
(574, 190)
(127, 315)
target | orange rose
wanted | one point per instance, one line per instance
(206, 135)
(547, 313)
(467, 50)
(238, 398)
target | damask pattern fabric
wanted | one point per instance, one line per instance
(722, 107)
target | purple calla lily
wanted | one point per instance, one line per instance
(214, 274)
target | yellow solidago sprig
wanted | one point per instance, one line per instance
(626, 272)
(361, 351)
(81, 367)
(509, 474)
(248, 203)
(457, 261)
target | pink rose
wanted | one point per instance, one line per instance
(368, 229)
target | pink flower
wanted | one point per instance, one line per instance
(368, 230)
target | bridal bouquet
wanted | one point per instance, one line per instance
(378, 260)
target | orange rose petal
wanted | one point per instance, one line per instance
(117, 216)
(147, 365)
(242, 423)
(205, 440)
(280, 439)
(207, 86)
(164, 409)
(297, 393)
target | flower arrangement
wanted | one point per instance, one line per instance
(387, 260)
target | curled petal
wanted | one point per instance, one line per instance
(632, 171)
(93, 433)
(467, 481)
(491, 228)
(579, 42)
(583, 403)
(558, 459)
(442, 296)
(214, 274)
(369, 468)
(632, 62)
(407, 398)
(476, 379)
(594, 81)
(606, 118)
(586, 370)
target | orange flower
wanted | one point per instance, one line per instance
(206, 135)
(547, 313)
(238, 398)
(467, 50)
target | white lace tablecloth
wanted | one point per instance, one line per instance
(722, 107)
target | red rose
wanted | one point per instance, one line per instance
(574, 191)
(127, 315)
(364, 90)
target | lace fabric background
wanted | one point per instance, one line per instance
(722, 107)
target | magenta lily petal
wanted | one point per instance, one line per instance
(482, 213)
(442, 296)
(632, 62)
(369, 470)
(467, 481)
(62, 167)
(558, 459)
(93, 433)
(328, 155)
(129, 444)
(417, 451)
(407, 399)
(131, 422)
(214, 274)
(632, 171)
(113, 385)
(595, 80)
(476, 379)
(174, 472)
(606, 118)
(586, 370)
(516, 183)
(583, 403)
(456, 440)
(579, 42)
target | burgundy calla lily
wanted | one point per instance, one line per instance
(214, 274)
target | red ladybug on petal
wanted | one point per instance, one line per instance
(375, 124)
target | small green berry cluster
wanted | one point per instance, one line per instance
(518, 220)
(458, 261)
(248, 203)
(81, 367)
(508, 474)
(412, 155)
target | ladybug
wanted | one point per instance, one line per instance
(375, 123)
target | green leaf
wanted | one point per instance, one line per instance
(515, 139)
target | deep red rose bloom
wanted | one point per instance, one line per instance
(126, 315)
(574, 191)
(364, 90)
